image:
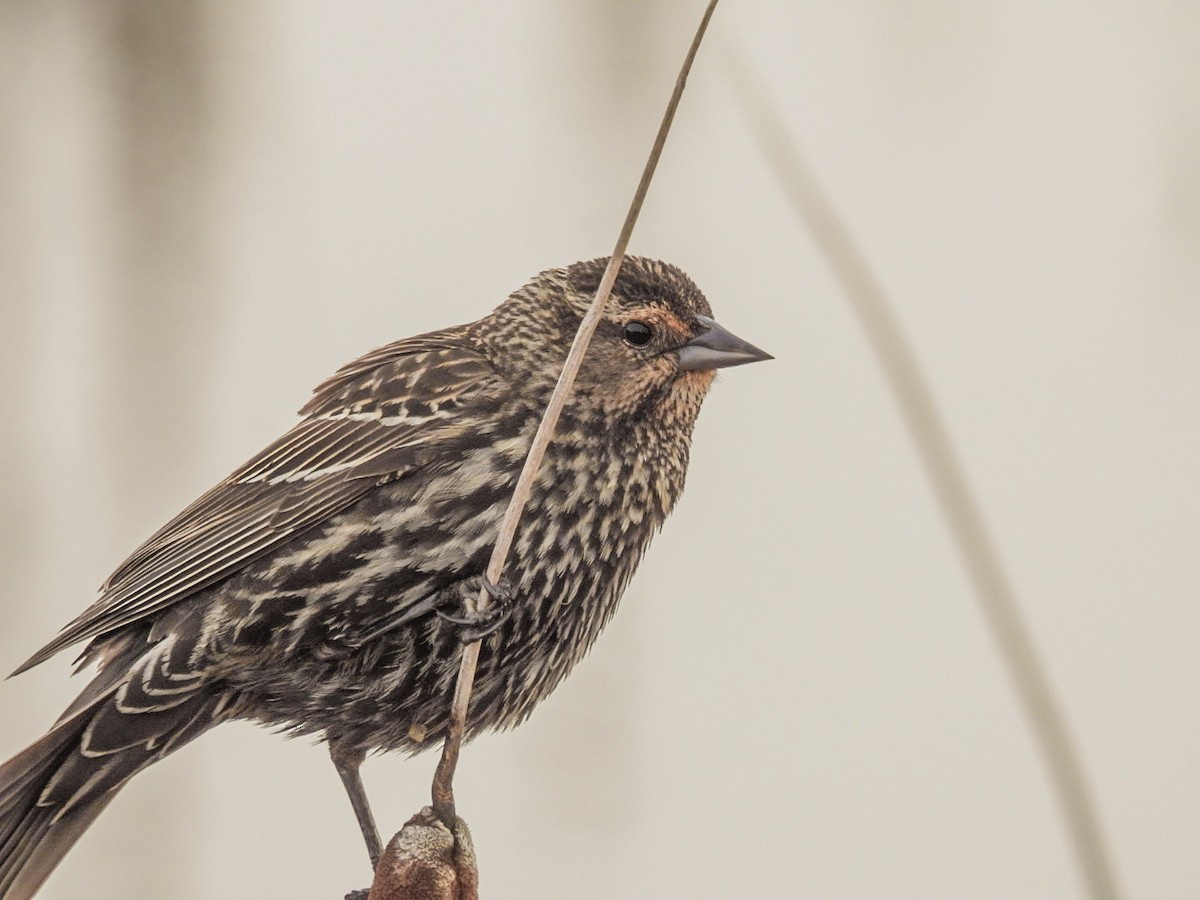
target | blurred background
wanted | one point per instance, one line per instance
(207, 207)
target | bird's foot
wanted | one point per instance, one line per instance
(478, 624)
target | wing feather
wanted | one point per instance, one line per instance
(380, 418)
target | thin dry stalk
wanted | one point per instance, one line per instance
(443, 779)
(946, 476)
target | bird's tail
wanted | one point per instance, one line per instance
(35, 836)
(144, 703)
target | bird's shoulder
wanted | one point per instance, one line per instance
(440, 368)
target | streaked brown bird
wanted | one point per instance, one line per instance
(320, 588)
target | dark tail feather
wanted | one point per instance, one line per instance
(144, 703)
(33, 838)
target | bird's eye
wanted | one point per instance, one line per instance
(638, 333)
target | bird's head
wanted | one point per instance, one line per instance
(654, 353)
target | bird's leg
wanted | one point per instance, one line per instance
(346, 760)
(478, 625)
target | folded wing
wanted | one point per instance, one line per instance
(378, 419)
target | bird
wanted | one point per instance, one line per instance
(324, 588)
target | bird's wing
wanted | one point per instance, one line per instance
(378, 419)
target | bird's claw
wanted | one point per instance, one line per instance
(478, 624)
(501, 591)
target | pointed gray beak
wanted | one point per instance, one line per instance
(717, 349)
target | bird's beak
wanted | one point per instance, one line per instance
(717, 348)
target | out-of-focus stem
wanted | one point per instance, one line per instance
(945, 473)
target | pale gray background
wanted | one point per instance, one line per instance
(205, 208)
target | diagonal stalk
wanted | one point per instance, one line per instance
(946, 476)
(443, 779)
